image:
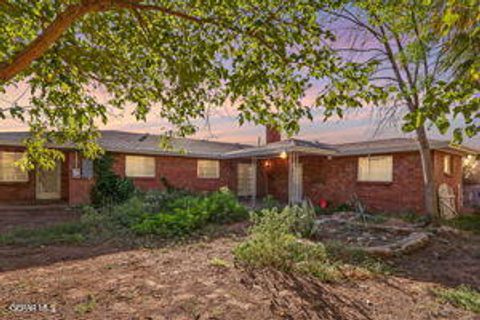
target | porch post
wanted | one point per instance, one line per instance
(293, 191)
(254, 181)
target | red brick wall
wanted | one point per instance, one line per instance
(78, 189)
(454, 180)
(336, 181)
(17, 192)
(180, 172)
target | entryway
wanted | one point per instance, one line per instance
(48, 183)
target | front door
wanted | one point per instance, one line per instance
(48, 183)
(245, 180)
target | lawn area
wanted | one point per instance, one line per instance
(124, 263)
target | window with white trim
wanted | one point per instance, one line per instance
(139, 167)
(447, 164)
(375, 169)
(208, 169)
(9, 172)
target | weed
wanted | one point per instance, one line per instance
(87, 306)
(462, 296)
(220, 263)
(344, 254)
(465, 222)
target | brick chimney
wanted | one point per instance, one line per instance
(272, 135)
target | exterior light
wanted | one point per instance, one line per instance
(283, 155)
(267, 164)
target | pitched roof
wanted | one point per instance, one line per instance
(289, 145)
(137, 143)
(396, 145)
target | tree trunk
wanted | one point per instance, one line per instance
(430, 192)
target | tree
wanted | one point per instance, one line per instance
(396, 37)
(175, 58)
(458, 20)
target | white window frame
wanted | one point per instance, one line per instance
(133, 172)
(447, 164)
(201, 169)
(19, 175)
(367, 173)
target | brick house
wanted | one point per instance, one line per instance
(386, 175)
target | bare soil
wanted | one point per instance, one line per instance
(200, 281)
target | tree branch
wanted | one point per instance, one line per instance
(47, 38)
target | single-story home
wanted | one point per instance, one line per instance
(386, 175)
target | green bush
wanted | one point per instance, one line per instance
(274, 244)
(157, 201)
(109, 188)
(182, 215)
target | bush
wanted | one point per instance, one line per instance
(109, 188)
(157, 201)
(184, 214)
(273, 243)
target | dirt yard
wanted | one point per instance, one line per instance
(200, 281)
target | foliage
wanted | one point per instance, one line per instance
(185, 214)
(156, 201)
(177, 59)
(344, 254)
(87, 306)
(406, 57)
(109, 188)
(220, 263)
(466, 222)
(68, 232)
(458, 20)
(462, 296)
(179, 215)
(270, 202)
(273, 244)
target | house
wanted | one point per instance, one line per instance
(386, 175)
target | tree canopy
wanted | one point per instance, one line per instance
(175, 58)
(179, 59)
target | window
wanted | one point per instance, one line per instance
(139, 167)
(209, 169)
(377, 168)
(447, 164)
(8, 171)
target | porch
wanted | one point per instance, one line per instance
(277, 169)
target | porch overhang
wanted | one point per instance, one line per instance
(274, 150)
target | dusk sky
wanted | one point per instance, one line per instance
(357, 125)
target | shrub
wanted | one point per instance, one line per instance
(109, 188)
(156, 201)
(273, 243)
(270, 202)
(184, 214)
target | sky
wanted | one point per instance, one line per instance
(223, 126)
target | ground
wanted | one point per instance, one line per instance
(199, 280)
